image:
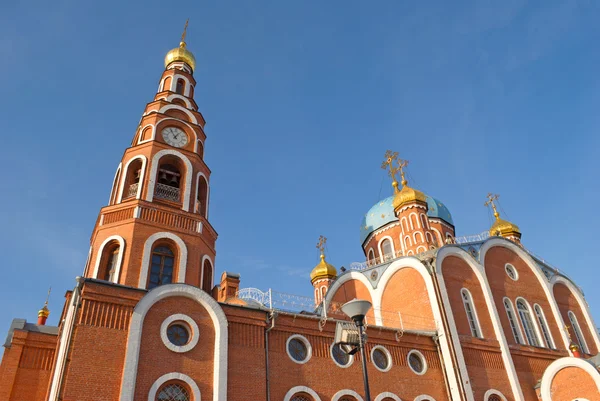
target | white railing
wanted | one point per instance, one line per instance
(471, 238)
(167, 192)
(132, 190)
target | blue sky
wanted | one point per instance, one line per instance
(302, 98)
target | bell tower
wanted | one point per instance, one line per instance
(155, 228)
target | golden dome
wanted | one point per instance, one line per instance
(407, 195)
(504, 228)
(323, 270)
(44, 312)
(181, 53)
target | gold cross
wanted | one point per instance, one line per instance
(388, 164)
(321, 244)
(568, 334)
(48, 296)
(490, 202)
(184, 30)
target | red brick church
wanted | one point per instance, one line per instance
(475, 318)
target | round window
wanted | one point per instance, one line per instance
(341, 358)
(381, 359)
(416, 362)
(173, 392)
(178, 334)
(511, 271)
(298, 349)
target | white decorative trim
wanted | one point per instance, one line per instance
(423, 360)
(424, 397)
(182, 257)
(212, 275)
(306, 344)
(174, 376)
(520, 338)
(342, 393)
(354, 275)
(178, 107)
(381, 254)
(578, 332)
(557, 365)
(494, 317)
(138, 195)
(507, 267)
(370, 254)
(381, 229)
(388, 355)
(178, 96)
(200, 174)
(135, 336)
(538, 333)
(186, 90)
(552, 344)
(475, 315)
(491, 392)
(387, 394)
(411, 221)
(495, 241)
(115, 186)
(152, 135)
(121, 242)
(582, 305)
(414, 205)
(300, 389)
(194, 335)
(350, 357)
(188, 176)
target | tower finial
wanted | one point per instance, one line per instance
(388, 164)
(182, 44)
(490, 202)
(321, 245)
(44, 312)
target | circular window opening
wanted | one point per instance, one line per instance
(341, 358)
(301, 397)
(381, 359)
(173, 392)
(178, 334)
(298, 349)
(511, 271)
(416, 362)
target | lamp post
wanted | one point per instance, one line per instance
(357, 310)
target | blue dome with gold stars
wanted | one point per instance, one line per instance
(382, 213)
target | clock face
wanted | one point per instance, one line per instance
(175, 137)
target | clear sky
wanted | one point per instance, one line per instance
(302, 98)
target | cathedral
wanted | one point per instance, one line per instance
(475, 318)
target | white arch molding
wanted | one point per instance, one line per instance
(188, 176)
(495, 241)
(115, 186)
(349, 392)
(582, 305)
(121, 242)
(381, 254)
(301, 389)
(135, 336)
(138, 195)
(355, 275)
(186, 90)
(182, 257)
(178, 96)
(212, 275)
(533, 318)
(174, 376)
(387, 394)
(152, 135)
(424, 397)
(168, 107)
(491, 392)
(200, 174)
(456, 251)
(566, 362)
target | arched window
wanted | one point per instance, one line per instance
(424, 220)
(578, 332)
(494, 397)
(207, 276)
(167, 84)
(168, 183)
(161, 269)
(201, 196)
(414, 221)
(110, 266)
(512, 320)
(115, 187)
(541, 318)
(180, 86)
(301, 397)
(471, 314)
(387, 250)
(173, 392)
(371, 257)
(132, 179)
(527, 323)
(200, 149)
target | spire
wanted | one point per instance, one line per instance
(501, 227)
(181, 53)
(44, 312)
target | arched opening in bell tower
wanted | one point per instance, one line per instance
(169, 179)
(202, 196)
(180, 88)
(132, 179)
(207, 275)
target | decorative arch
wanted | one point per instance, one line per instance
(182, 98)
(126, 173)
(143, 129)
(531, 312)
(174, 376)
(165, 85)
(387, 394)
(443, 253)
(582, 305)
(135, 336)
(203, 204)
(420, 235)
(408, 240)
(557, 365)
(404, 223)
(115, 186)
(424, 397)
(495, 241)
(188, 176)
(342, 393)
(354, 275)
(410, 218)
(301, 389)
(421, 249)
(182, 265)
(168, 107)
(370, 255)
(176, 77)
(203, 275)
(121, 242)
(492, 392)
(438, 235)
(424, 222)
(381, 254)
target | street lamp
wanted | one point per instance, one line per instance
(357, 310)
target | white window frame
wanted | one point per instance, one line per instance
(193, 328)
(578, 333)
(306, 344)
(383, 256)
(544, 328)
(469, 304)
(535, 340)
(513, 320)
(387, 353)
(423, 360)
(350, 360)
(512, 268)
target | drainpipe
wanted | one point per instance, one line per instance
(271, 317)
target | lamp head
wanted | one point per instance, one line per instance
(356, 310)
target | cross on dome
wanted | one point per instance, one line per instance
(321, 244)
(490, 202)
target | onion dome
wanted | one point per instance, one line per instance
(323, 271)
(181, 53)
(501, 227)
(407, 195)
(44, 312)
